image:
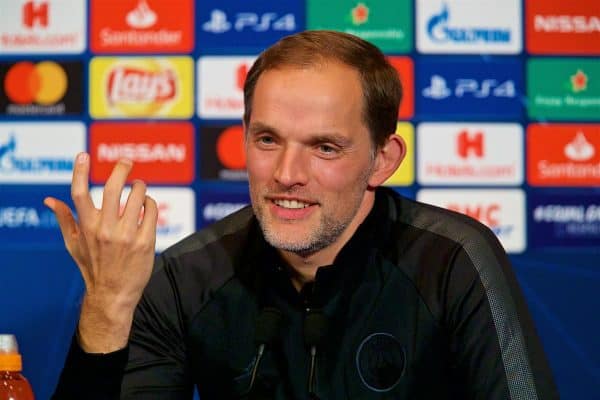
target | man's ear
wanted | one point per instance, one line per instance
(387, 159)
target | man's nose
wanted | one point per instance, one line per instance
(292, 167)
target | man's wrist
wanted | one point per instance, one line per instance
(103, 328)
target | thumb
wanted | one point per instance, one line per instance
(66, 221)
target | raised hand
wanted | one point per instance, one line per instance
(114, 251)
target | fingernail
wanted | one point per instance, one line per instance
(126, 161)
(82, 158)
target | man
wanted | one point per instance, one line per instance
(328, 287)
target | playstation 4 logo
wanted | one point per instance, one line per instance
(219, 22)
(438, 88)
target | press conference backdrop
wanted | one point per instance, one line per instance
(501, 114)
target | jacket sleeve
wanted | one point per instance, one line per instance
(495, 350)
(152, 366)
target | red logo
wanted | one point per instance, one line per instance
(240, 75)
(129, 84)
(563, 154)
(163, 153)
(141, 26)
(230, 148)
(42, 83)
(360, 14)
(405, 68)
(35, 14)
(566, 27)
(486, 214)
(579, 81)
(468, 145)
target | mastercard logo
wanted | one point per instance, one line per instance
(230, 148)
(43, 83)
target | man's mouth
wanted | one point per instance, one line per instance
(291, 204)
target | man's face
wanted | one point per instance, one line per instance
(309, 155)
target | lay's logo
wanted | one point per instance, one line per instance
(141, 87)
(162, 153)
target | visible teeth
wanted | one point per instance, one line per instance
(291, 204)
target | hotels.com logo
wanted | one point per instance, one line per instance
(221, 86)
(35, 14)
(469, 144)
(484, 154)
(132, 85)
(563, 27)
(564, 154)
(42, 27)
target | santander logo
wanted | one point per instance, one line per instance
(129, 84)
(142, 16)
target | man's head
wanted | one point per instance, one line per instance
(381, 86)
(321, 112)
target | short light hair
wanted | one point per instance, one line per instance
(380, 83)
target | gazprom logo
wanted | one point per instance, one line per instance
(10, 162)
(440, 31)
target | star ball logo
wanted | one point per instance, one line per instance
(360, 14)
(385, 23)
(41, 88)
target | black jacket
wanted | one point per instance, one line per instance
(420, 304)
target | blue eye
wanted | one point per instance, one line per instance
(327, 149)
(266, 140)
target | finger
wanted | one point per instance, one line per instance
(148, 225)
(80, 189)
(135, 201)
(70, 232)
(66, 221)
(111, 199)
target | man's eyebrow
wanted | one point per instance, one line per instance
(332, 137)
(258, 126)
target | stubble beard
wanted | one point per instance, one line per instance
(329, 228)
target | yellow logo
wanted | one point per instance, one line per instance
(405, 174)
(141, 87)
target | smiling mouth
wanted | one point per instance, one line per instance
(291, 204)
